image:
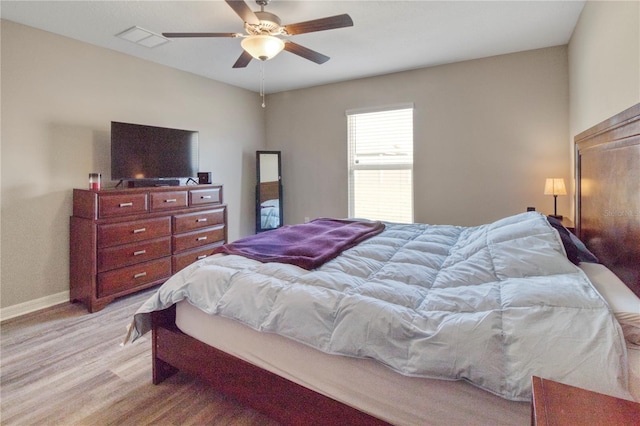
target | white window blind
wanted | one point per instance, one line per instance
(381, 164)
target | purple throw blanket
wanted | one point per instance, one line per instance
(308, 245)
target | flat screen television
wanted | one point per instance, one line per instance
(152, 153)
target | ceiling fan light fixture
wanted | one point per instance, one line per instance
(262, 47)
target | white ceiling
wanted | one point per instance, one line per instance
(387, 36)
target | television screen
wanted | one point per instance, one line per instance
(148, 152)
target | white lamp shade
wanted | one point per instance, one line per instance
(554, 186)
(262, 47)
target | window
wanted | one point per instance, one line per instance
(381, 164)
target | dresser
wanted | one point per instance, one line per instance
(126, 240)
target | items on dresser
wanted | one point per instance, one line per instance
(123, 241)
(204, 178)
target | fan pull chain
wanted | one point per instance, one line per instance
(262, 83)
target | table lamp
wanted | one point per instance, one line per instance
(555, 187)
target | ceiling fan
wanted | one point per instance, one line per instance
(263, 39)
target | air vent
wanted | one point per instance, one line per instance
(142, 37)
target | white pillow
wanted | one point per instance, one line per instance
(623, 302)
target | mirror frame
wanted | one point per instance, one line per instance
(259, 227)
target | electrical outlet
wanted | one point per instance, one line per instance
(306, 219)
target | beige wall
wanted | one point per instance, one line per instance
(604, 65)
(487, 134)
(58, 98)
(604, 62)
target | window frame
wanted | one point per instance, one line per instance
(352, 166)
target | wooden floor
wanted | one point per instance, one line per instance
(64, 366)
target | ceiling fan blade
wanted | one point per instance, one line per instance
(305, 52)
(243, 11)
(243, 60)
(322, 24)
(178, 35)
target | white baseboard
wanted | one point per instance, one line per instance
(33, 305)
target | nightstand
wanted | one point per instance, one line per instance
(555, 403)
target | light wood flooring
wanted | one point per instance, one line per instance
(64, 366)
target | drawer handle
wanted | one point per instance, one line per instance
(202, 256)
(170, 200)
(202, 219)
(139, 252)
(140, 275)
(139, 230)
(129, 204)
(201, 238)
(205, 197)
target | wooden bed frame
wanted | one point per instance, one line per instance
(608, 193)
(280, 399)
(269, 191)
(607, 154)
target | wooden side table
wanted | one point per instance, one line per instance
(555, 403)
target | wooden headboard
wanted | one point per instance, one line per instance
(608, 193)
(269, 191)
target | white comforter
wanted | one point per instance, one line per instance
(493, 304)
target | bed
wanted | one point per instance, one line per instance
(270, 214)
(337, 377)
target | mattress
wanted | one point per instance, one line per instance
(373, 388)
(625, 306)
(361, 383)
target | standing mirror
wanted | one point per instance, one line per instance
(268, 191)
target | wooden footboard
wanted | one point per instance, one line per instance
(279, 398)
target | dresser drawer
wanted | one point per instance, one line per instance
(130, 254)
(122, 204)
(205, 196)
(182, 260)
(132, 277)
(198, 238)
(168, 200)
(129, 232)
(191, 221)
